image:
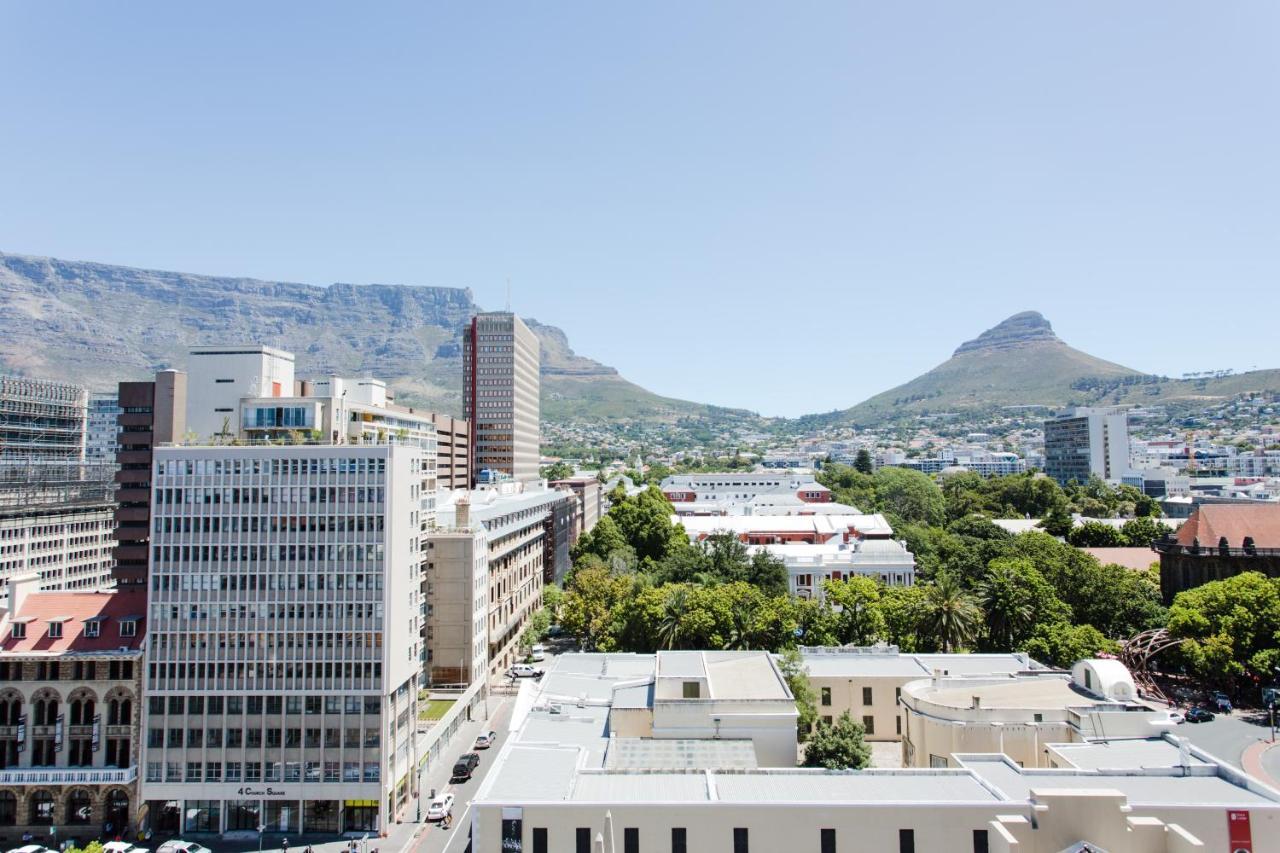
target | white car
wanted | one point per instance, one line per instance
(123, 847)
(485, 740)
(31, 848)
(177, 846)
(538, 652)
(523, 670)
(440, 807)
(1177, 717)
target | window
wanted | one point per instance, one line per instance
(679, 840)
(826, 697)
(582, 842)
(897, 724)
(18, 631)
(980, 841)
(869, 725)
(740, 839)
(540, 840)
(906, 841)
(92, 629)
(1039, 718)
(129, 628)
(692, 690)
(866, 696)
(828, 841)
(631, 840)
(937, 761)
(215, 704)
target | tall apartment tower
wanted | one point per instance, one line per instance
(500, 359)
(1087, 442)
(151, 413)
(283, 657)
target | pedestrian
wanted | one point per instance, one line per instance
(284, 845)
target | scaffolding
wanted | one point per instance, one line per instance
(41, 420)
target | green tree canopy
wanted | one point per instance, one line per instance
(838, 745)
(1232, 626)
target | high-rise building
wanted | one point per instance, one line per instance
(42, 421)
(68, 544)
(285, 603)
(1087, 442)
(500, 360)
(453, 449)
(101, 442)
(151, 413)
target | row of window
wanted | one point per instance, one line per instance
(173, 556)
(827, 838)
(263, 610)
(209, 581)
(270, 524)
(270, 495)
(81, 670)
(53, 630)
(272, 738)
(273, 467)
(257, 771)
(244, 672)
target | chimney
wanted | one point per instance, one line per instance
(462, 514)
(19, 589)
(1184, 754)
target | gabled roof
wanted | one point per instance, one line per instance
(73, 610)
(1211, 522)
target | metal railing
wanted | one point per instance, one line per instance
(68, 776)
(1170, 545)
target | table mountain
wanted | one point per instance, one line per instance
(97, 324)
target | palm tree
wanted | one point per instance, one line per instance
(951, 613)
(1008, 610)
(676, 606)
(742, 615)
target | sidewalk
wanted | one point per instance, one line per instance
(1253, 762)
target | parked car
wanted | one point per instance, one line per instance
(465, 766)
(1177, 717)
(1220, 701)
(440, 807)
(31, 848)
(123, 847)
(538, 652)
(1199, 715)
(179, 846)
(524, 670)
(485, 740)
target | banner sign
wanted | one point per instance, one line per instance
(22, 732)
(57, 733)
(97, 731)
(1239, 831)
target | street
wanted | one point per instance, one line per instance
(1227, 737)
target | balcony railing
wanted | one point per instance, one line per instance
(68, 776)
(1170, 545)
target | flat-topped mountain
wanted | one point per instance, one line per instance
(97, 324)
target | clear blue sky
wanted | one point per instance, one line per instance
(782, 206)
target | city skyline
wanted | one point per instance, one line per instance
(912, 178)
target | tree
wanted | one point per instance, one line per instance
(793, 670)
(910, 495)
(1142, 531)
(557, 471)
(767, 573)
(587, 610)
(1017, 598)
(601, 540)
(903, 610)
(838, 746)
(951, 614)
(1062, 644)
(552, 598)
(675, 607)
(645, 523)
(1232, 626)
(860, 620)
(1095, 534)
(1058, 522)
(862, 462)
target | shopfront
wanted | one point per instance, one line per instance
(360, 816)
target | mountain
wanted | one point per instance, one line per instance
(97, 324)
(1022, 362)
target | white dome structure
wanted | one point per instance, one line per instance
(1109, 679)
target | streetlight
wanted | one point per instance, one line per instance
(261, 829)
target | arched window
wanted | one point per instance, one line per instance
(8, 808)
(41, 809)
(76, 710)
(117, 809)
(10, 708)
(79, 807)
(119, 711)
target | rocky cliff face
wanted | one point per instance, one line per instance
(1028, 327)
(98, 324)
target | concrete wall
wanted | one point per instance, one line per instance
(845, 694)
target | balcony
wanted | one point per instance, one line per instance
(68, 776)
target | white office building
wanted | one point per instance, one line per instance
(101, 438)
(284, 652)
(1087, 442)
(219, 377)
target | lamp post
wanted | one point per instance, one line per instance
(261, 828)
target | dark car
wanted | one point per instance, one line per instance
(465, 767)
(1199, 715)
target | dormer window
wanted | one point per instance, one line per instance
(129, 628)
(93, 629)
(55, 630)
(18, 631)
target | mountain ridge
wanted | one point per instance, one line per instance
(97, 324)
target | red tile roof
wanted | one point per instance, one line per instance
(1210, 522)
(1131, 558)
(112, 608)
